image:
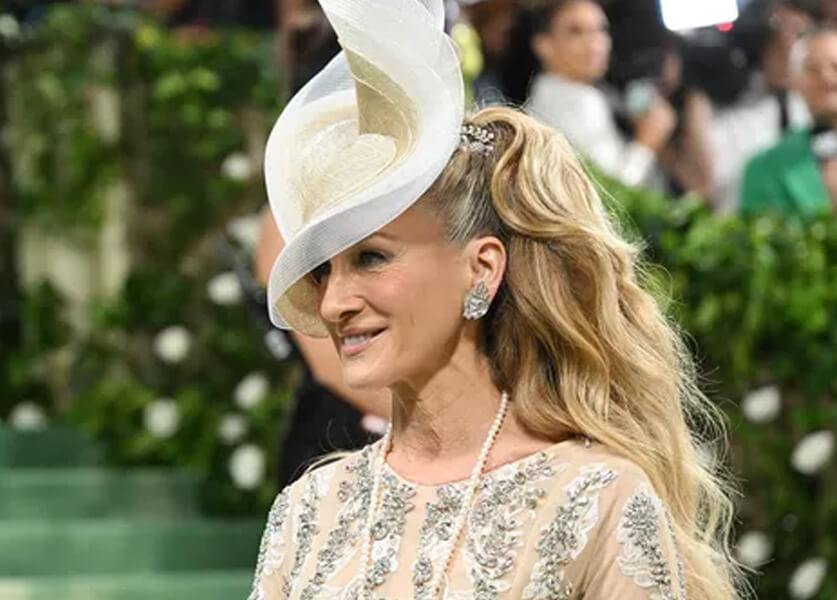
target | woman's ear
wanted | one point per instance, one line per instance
(486, 260)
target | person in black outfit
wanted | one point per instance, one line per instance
(320, 422)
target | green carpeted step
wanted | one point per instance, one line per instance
(213, 585)
(52, 447)
(94, 492)
(109, 546)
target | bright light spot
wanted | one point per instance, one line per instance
(691, 14)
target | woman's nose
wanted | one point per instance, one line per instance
(338, 297)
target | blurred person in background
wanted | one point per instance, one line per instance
(767, 107)
(197, 14)
(828, 12)
(307, 41)
(325, 415)
(572, 42)
(493, 20)
(798, 176)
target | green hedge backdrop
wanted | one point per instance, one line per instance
(110, 119)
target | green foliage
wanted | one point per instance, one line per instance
(184, 108)
(759, 302)
(63, 163)
(27, 355)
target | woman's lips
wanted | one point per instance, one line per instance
(358, 346)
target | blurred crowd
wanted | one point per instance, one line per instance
(740, 113)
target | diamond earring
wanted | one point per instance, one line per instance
(477, 302)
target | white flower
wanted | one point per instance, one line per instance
(9, 27)
(27, 416)
(162, 418)
(224, 289)
(246, 230)
(173, 343)
(813, 452)
(251, 390)
(232, 428)
(753, 548)
(807, 578)
(762, 405)
(278, 344)
(237, 166)
(247, 467)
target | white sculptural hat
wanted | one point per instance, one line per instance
(360, 143)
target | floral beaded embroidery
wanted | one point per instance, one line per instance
(435, 531)
(389, 527)
(312, 538)
(563, 540)
(306, 521)
(271, 549)
(495, 526)
(642, 556)
(354, 498)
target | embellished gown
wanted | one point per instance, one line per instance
(574, 521)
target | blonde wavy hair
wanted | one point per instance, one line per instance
(585, 349)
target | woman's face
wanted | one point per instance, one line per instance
(393, 302)
(577, 45)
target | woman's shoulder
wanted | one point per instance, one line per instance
(582, 464)
(603, 519)
(324, 470)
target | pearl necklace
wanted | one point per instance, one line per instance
(462, 518)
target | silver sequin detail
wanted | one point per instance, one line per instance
(435, 533)
(495, 524)
(351, 518)
(563, 540)
(307, 527)
(272, 544)
(642, 557)
(389, 527)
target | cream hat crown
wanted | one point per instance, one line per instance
(360, 143)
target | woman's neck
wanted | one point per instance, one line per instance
(443, 423)
(440, 428)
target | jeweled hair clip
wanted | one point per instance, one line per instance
(476, 139)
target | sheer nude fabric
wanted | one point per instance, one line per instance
(573, 521)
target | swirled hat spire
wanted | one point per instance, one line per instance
(360, 143)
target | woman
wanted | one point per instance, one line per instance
(572, 43)
(539, 446)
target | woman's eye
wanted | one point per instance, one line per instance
(369, 258)
(321, 272)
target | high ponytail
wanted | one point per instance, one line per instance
(582, 346)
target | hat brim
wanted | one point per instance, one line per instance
(399, 78)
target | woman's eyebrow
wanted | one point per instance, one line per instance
(383, 234)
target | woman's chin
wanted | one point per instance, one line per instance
(359, 378)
